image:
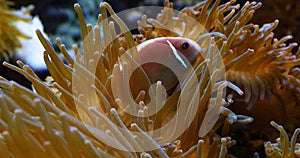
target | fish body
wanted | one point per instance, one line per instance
(166, 59)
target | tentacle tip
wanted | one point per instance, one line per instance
(18, 111)
(91, 108)
(38, 31)
(37, 100)
(26, 67)
(76, 5)
(133, 125)
(73, 129)
(62, 114)
(5, 63)
(58, 39)
(200, 141)
(86, 141)
(19, 62)
(113, 110)
(223, 140)
(274, 124)
(102, 4)
(251, 50)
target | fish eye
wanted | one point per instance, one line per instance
(185, 45)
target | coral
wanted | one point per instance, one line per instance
(10, 35)
(31, 50)
(91, 107)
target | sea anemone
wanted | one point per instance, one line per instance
(284, 147)
(277, 9)
(261, 65)
(90, 107)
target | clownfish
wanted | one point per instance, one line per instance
(167, 58)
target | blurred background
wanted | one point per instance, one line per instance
(59, 18)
